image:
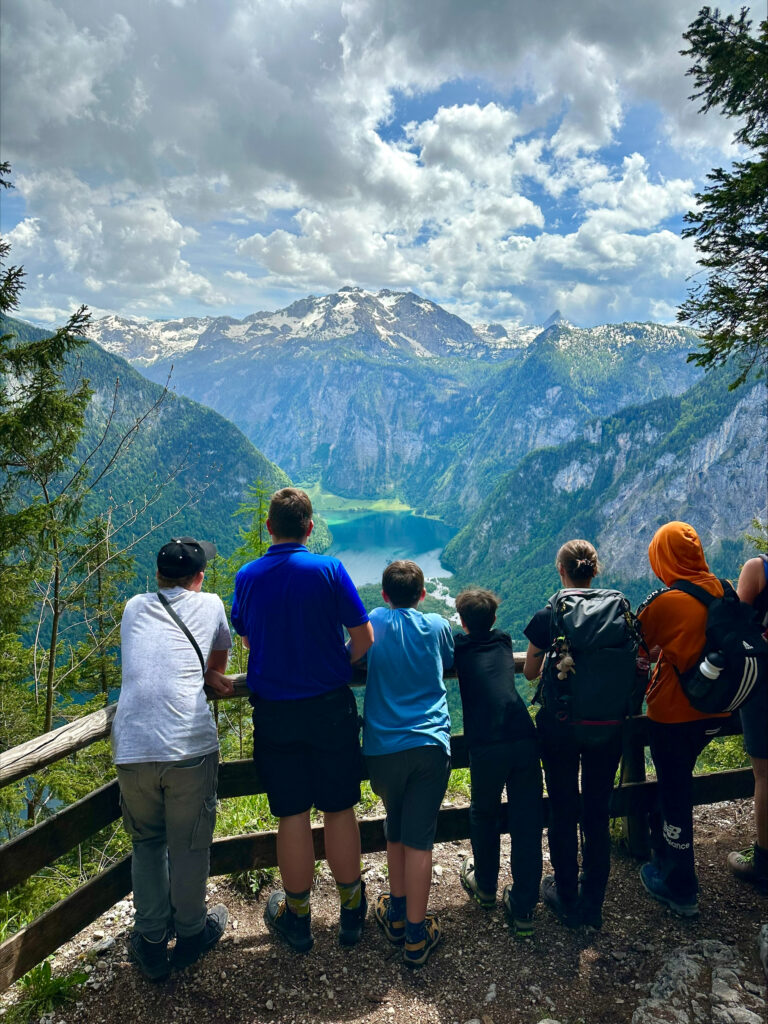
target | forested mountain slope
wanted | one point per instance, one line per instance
(700, 457)
(184, 455)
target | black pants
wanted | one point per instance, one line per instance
(674, 749)
(562, 757)
(516, 766)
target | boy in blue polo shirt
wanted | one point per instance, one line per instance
(406, 742)
(290, 606)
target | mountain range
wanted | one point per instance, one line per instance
(517, 436)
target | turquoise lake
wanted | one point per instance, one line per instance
(366, 542)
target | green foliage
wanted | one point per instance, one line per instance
(729, 225)
(43, 993)
(722, 754)
(253, 880)
(760, 537)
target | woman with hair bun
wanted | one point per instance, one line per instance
(564, 755)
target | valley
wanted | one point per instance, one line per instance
(511, 439)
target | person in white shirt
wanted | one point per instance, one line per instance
(166, 750)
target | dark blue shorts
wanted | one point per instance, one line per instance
(754, 724)
(308, 752)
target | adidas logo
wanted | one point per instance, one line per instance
(747, 646)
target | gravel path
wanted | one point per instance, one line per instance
(644, 967)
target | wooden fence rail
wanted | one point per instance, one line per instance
(38, 847)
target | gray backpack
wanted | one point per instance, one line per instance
(589, 680)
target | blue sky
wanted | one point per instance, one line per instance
(187, 157)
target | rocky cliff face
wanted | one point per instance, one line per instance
(389, 394)
(701, 457)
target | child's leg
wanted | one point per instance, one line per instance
(525, 820)
(488, 772)
(418, 881)
(396, 868)
(430, 768)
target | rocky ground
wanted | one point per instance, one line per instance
(644, 967)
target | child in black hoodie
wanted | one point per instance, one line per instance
(503, 751)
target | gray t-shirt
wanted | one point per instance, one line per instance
(162, 713)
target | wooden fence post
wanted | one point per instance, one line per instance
(635, 826)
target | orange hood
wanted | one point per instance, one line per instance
(675, 553)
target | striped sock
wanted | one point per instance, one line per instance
(349, 894)
(298, 902)
(396, 908)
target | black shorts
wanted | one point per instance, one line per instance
(411, 784)
(308, 752)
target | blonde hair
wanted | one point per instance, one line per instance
(578, 559)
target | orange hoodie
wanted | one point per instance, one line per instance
(674, 621)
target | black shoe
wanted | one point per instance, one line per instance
(189, 950)
(590, 914)
(150, 957)
(351, 922)
(295, 930)
(566, 912)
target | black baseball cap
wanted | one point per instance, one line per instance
(183, 556)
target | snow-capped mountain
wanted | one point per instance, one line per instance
(143, 342)
(386, 323)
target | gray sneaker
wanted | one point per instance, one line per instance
(189, 950)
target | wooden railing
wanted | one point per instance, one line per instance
(41, 845)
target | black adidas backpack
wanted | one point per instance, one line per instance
(735, 633)
(594, 649)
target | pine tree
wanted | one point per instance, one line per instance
(729, 226)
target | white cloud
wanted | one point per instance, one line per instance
(172, 155)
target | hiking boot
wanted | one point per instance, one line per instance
(656, 887)
(295, 930)
(590, 910)
(566, 912)
(487, 900)
(351, 921)
(188, 951)
(750, 865)
(521, 925)
(394, 930)
(150, 957)
(416, 954)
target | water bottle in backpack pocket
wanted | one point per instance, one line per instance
(589, 681)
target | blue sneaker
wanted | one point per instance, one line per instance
(655, 886)
(394, 930)
(416, 954)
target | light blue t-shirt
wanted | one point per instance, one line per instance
(405, 701)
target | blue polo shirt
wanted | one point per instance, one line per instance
(405, 700)
(291, 605)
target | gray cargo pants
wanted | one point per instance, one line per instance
(169, 811)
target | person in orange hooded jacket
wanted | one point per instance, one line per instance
(674, 624)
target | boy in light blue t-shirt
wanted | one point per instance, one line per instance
(406, 742)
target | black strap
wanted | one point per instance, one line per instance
(694, 590)
(180, 623)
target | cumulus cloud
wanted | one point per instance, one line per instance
(174, 155)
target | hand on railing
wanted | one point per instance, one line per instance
(218, 684)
